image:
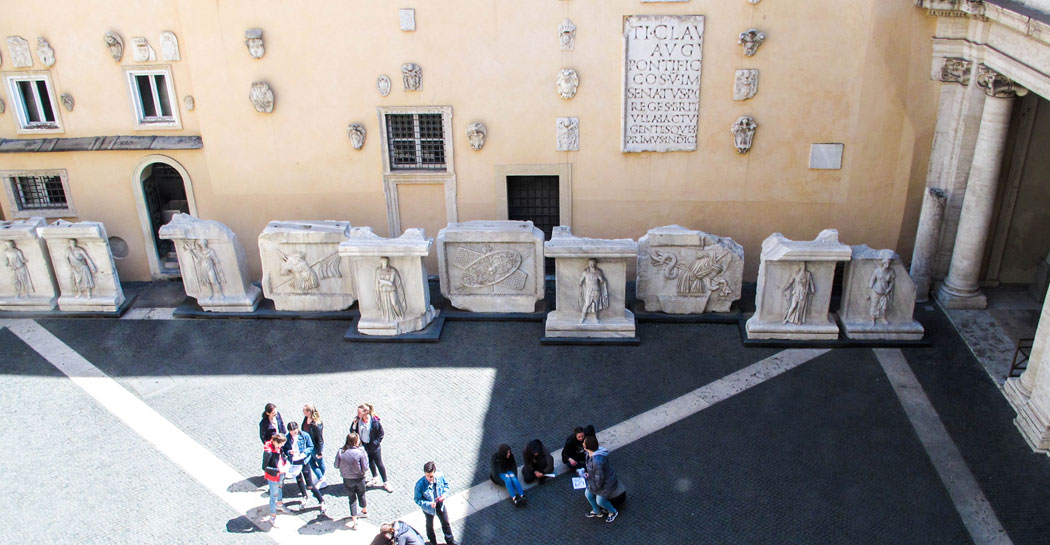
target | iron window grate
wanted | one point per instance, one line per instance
(416, 141)
(39, 192)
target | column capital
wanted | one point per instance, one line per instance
(997, 85)
(956, 70)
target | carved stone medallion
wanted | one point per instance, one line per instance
(567, 35)
(45, 53)
(67, 101)
(751, 39)
(383, 84)
(115, 44)
(743, 133)
(169, 46)
(568, 132)
(568, 82)
(745, 84)
(261, 97)
(21, 57)
(253, 40)
(356, 132)
(412, 76)
(476, 134)
(141, 50)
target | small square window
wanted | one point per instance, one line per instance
(151, 97)
(416, 141)
(38, 193)
(34, 102)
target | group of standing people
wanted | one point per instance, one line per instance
(297, 451)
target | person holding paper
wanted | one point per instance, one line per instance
(539, 464)
(430, 495)
(299, 448)
(275, 465)
(572, 454)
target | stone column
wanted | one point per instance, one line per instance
(1033, 413)
(1019, 389)
(926, 240)
(960, 289)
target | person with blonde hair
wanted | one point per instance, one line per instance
(352, 463)
(312, 425)
(367, 426)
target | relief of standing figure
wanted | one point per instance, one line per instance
(209, 272)
(799, 290)
(881, 283)
(594, 291)
(81, 269)
(390, 293)
(16, 261)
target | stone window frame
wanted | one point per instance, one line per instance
(173, 122)
(16, 206)
(392, 178)
(22, 123)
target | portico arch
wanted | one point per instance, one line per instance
(140, 177)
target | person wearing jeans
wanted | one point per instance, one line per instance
(602, 484)
(274, 466)
(430, 495)
(505, 470)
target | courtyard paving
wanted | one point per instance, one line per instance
(715, 442)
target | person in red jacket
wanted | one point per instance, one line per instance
(275, 465)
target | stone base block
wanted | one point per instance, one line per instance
(408, 325)
(69, 303)
(325, 302)
(950, 299)
(677, 304)
(1034, 430)
(246, 303)
(809, 331)
(488, 303)
(567, 324)
(1014, 393)
(29, 303)
(896, 332)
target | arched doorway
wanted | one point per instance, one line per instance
(163, 188)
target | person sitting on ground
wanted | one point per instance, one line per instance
(505, 471)
(602, 484)
(572, 454)
(539, 464)
(398, 533)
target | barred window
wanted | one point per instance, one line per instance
(39, 192)
(416, 141)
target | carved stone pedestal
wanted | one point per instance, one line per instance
(681, 271)
(213, 265)
(491, 266)
(83, 266)
(391, 280)
(794, 288)
(878, 297)
(26, 279)
(301, 266)
(591, 286)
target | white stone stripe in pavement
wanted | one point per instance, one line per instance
(977, 514)
(485, 494)
(197, 461)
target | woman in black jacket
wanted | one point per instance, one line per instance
(312, 424)
(505, 471)
(370, 430)
(271, 423)
(539, 464)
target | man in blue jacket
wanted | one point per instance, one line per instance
(430, 495)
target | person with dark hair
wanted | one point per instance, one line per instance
(430, 495)
(539, 464)
(352, 463)
(398, 533)
(367, 426)
(271, 423)
(299, 449)
(505, 471)
(274, 466)
(602, 484)
(572, 454)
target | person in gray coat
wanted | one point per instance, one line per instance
(352, 463)
(602, 484)
(399, 533)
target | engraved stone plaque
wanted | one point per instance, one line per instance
(661, 91)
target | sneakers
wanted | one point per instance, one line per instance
(306, 500)
(612, 517)
(272, 519)
(324, 509)
(322, 484)
(592, 515)
(387, 487)
(364, 514)
(282, 508)
(514, 500)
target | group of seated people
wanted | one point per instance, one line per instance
(538, 466)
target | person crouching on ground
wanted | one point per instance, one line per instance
(398, 533)
(430, 495)
(572, 454)
(505, 470)
(539, 464)
(602, 483)
(352, 463)
(274, 466)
